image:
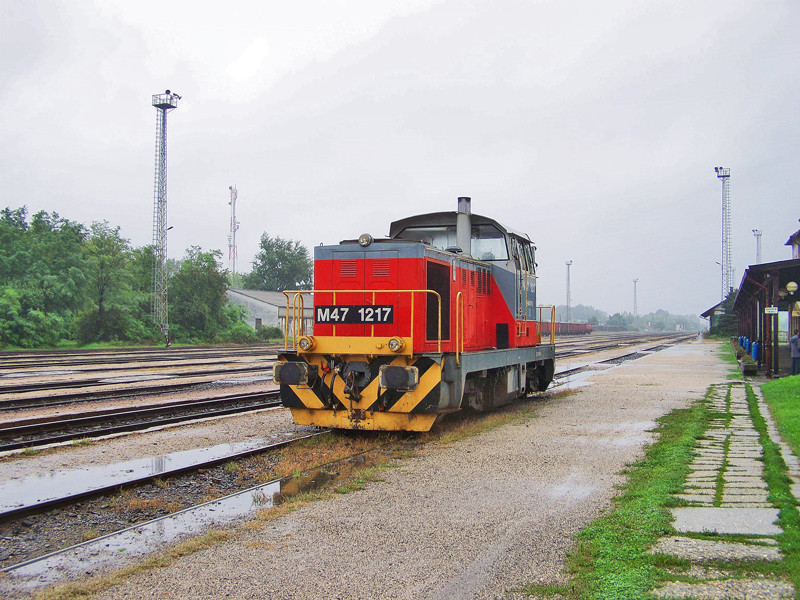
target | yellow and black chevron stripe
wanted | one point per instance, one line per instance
(324, 402)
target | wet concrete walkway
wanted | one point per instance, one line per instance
(727, 495)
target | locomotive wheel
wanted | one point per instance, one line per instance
(540, 375)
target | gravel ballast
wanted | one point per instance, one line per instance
(476, 518)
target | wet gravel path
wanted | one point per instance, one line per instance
(472, 519)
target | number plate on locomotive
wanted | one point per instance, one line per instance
(354, 314)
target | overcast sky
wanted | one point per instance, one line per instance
(592, 126)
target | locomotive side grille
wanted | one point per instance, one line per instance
(347, 268)
(472, 278)
(463, 277)
(380, 268)
(483, 282)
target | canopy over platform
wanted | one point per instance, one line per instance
(765, 288)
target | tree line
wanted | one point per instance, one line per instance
(660, 320)
(62, 282)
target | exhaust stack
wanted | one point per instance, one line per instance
(464, 225)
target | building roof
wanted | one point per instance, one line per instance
(756, 278)
(448, 218)
(793, 239)
(713, 309)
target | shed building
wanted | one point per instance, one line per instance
(268, 309)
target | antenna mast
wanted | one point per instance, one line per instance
(757, 233)
(163, 103)
(569, 297)
(233, 252)
(727, 260)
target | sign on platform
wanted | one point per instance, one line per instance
(771, 310)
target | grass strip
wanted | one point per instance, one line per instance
(783, 397)
(720, 485)
(610, 560)
(775, 474)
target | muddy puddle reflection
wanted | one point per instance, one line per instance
(125, 546)
(43, 488)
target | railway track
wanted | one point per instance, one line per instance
(42, 431)
(104, 381)
(68, 487)
(185, 520)
(568, 374)
(586, 346)
(146, 536)
(10, 360)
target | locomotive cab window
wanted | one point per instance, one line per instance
(440, 237)
(488, 243)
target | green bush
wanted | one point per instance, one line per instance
(270, 333)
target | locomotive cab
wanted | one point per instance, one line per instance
(438, 317)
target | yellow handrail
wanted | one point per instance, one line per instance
(552, 310)
(298, 299)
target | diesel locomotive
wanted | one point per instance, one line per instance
(438, 317)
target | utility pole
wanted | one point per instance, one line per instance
(569, 297)
(163, 103)
(635, 307)
(727, 254)
(233, 252)
(757, 233)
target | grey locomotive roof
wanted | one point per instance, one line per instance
(447, 218)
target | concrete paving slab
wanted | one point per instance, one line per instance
(752, 484)
(733, 521)
(703, 473)
(733, 500)
(697, 498)
(744, 495)
(701, 485)
(774, 589)
(707, 550)
(729, 479)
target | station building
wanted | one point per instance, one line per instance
(768, 308)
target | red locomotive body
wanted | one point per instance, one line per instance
(440, 316)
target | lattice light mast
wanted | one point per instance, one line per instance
(635, 306)
(757, 233)
(569, 296)
(163, 103)
(727, 254)
(233, 252)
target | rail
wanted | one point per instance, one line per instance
(298, 308)
(552, 310)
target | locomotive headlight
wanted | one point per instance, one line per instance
(306, 343)
(365, 239)
(396, 344)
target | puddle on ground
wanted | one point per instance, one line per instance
(41, 488)
(692, 347)
(117, 549)
(571, 489)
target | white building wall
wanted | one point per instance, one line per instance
(268, 313)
